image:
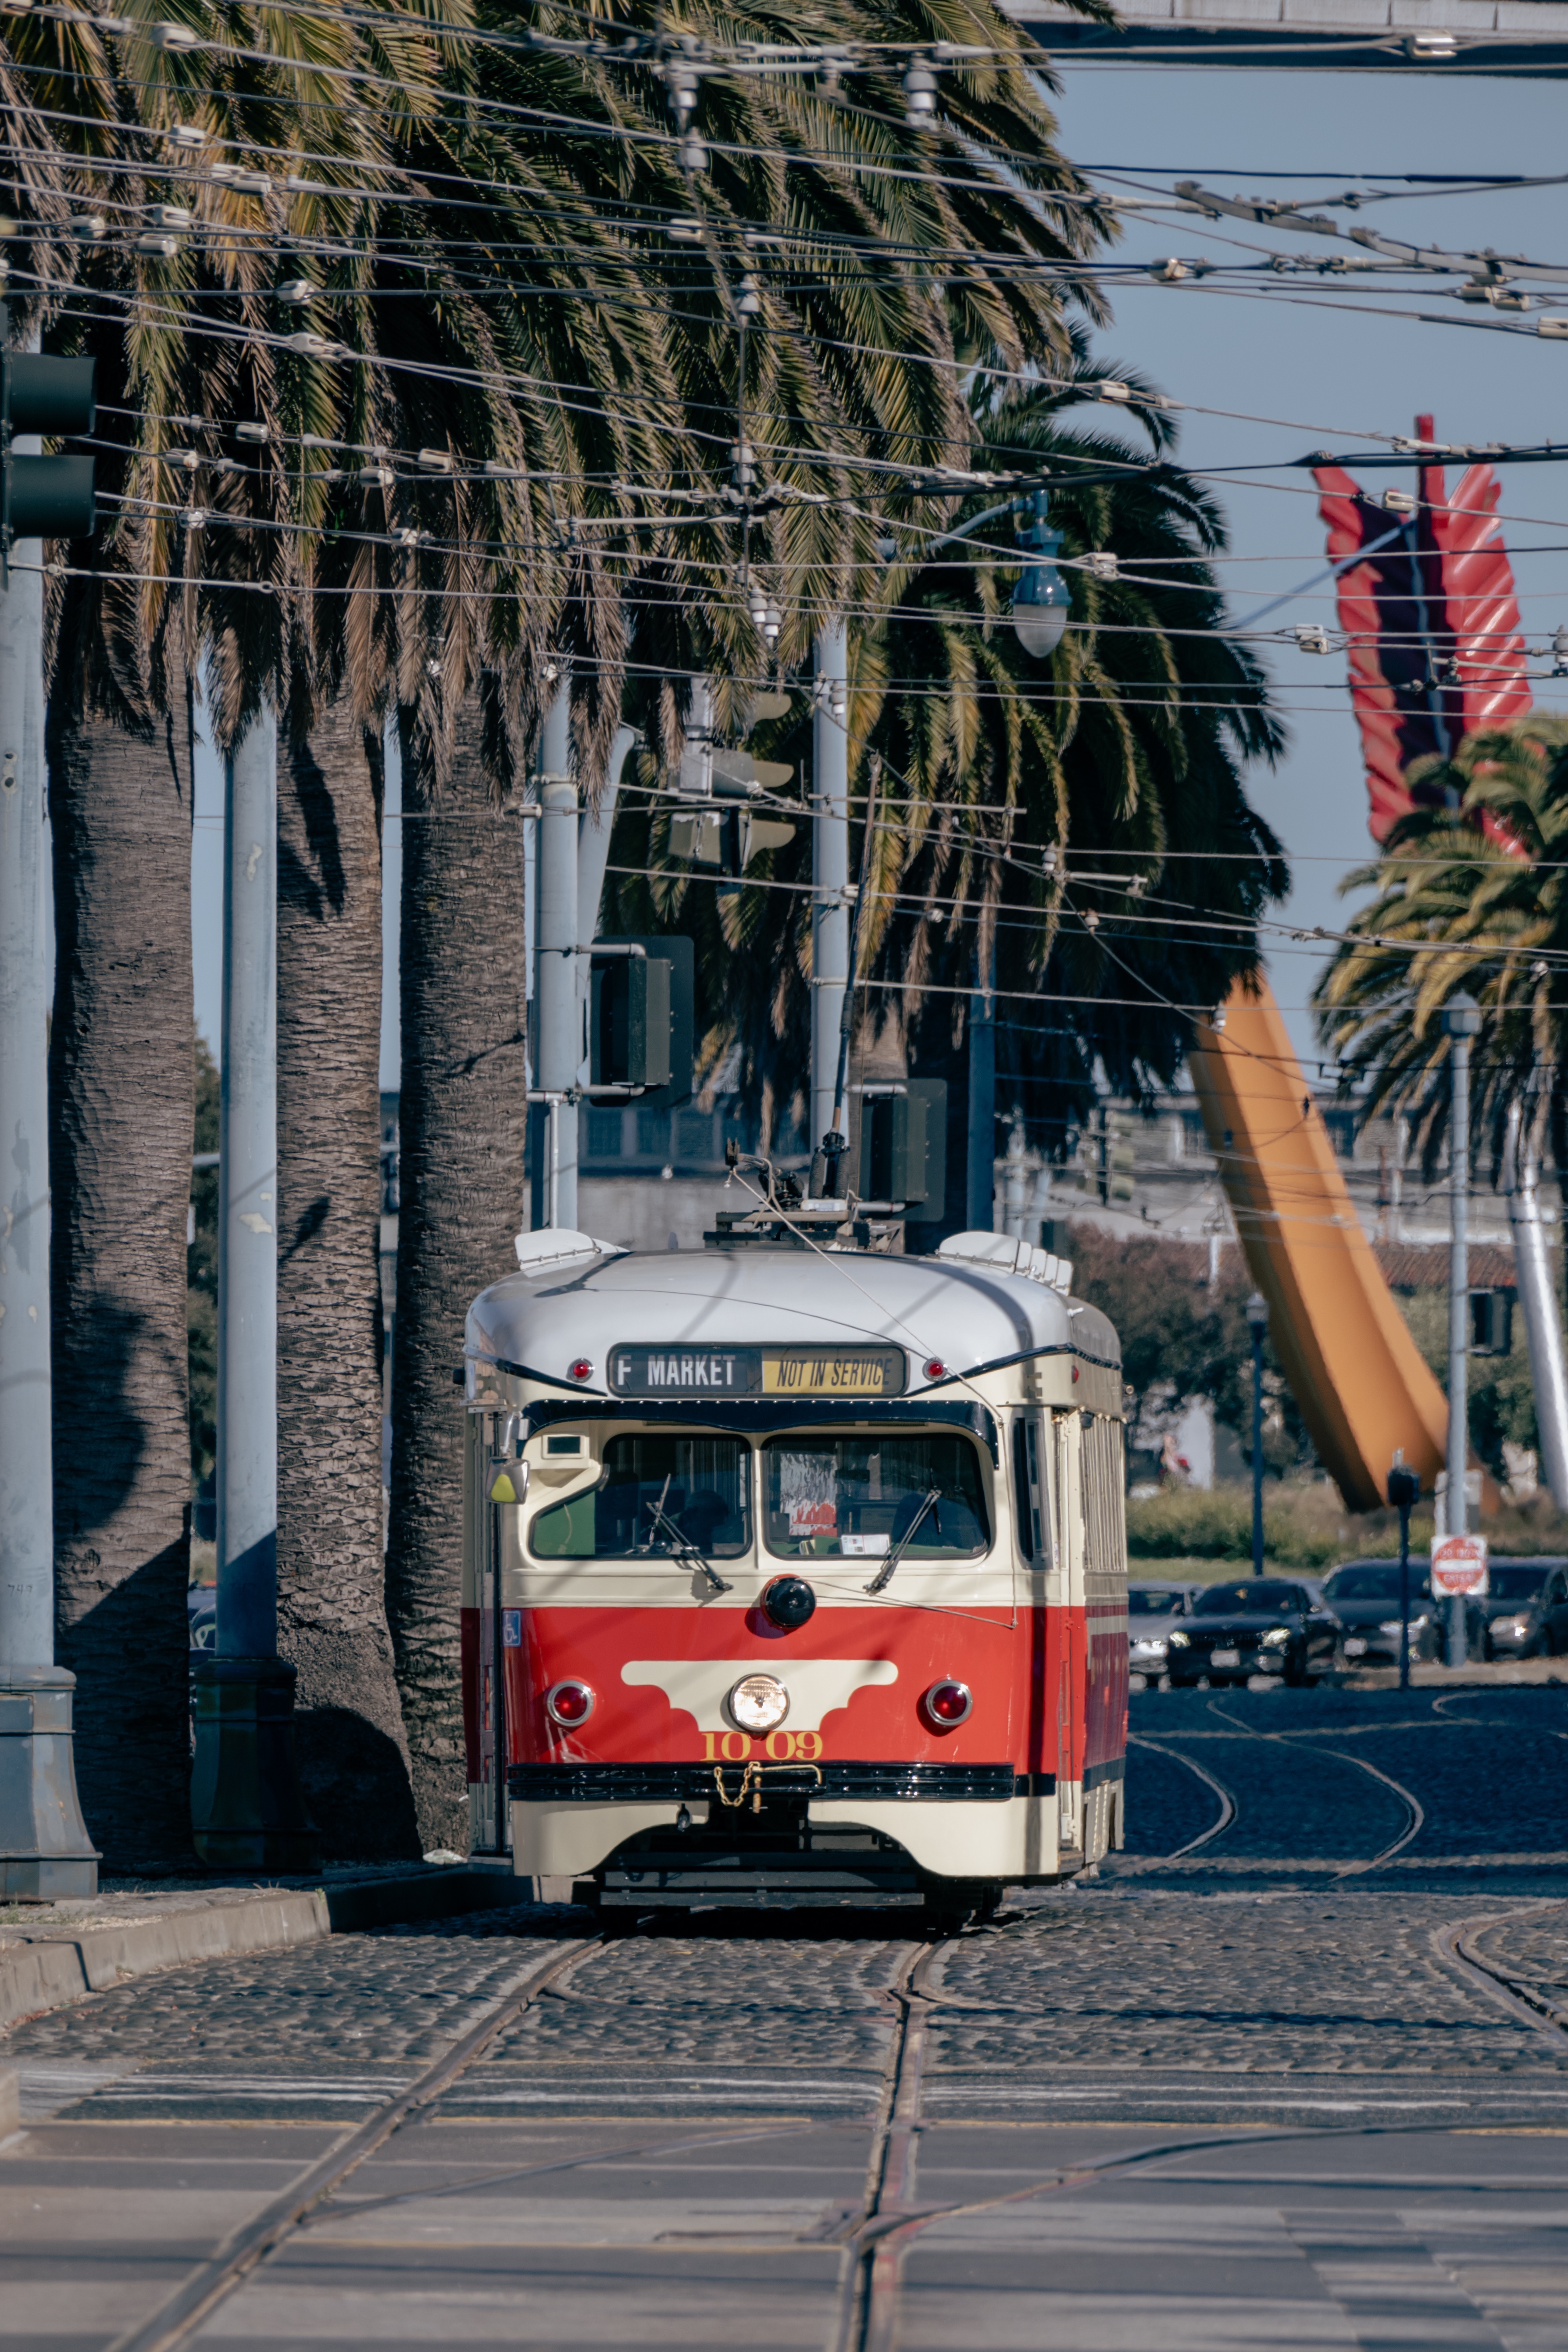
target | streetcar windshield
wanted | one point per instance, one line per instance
(658, 1497)
(855, 1497)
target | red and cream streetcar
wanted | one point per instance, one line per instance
(794, 1574)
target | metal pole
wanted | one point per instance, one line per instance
(1461, 1022)
(247, 1205)
(1405, 1596)
(980, 1207)
(44, 1850)
(1258, 1317)
(247, 1810)
(1538, 1302)
(1403, 1487)
(829, 869)
(560, 1017)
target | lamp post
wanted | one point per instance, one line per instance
(1461, 1022)
(1404, 1487)
(1258, 1323)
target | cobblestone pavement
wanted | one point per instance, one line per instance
(665, 2146)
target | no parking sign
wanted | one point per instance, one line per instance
(1459, 1566)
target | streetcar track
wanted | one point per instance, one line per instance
(1230, 1806)
(1414, 1809)
(1452, 1946)
(212, 2283)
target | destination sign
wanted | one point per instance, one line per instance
(757, 1372)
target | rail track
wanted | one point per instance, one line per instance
(877, 2236)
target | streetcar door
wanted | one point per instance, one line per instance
(1071, 1467)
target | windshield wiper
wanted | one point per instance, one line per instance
(683, 1545)
(884, 1574)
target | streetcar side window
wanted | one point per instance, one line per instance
(857, 1496)
(1027, 1487)
(659, 1498)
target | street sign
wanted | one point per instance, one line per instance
(1459, 1566)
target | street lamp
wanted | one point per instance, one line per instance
(1041, 599)
(1258, 1323)
(1461, 1022)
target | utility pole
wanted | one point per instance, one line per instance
(555, 987)
(1258, 1323)
(829, 873)
(1404, 1492)
(246, 1805)
(44, 1851)
(1537, 1299)
(980, 1209)
(1461, 1022)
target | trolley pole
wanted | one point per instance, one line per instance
(555, 987)
(829, 873)
(247, 1811)
(44, 1850)
(1257, 1322)
(1461, 1022)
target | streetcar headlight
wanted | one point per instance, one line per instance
(569, 1703)
(759, 1703)
(1179, 1641)
(948, 1703)
(1276, 1638)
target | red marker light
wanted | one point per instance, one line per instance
(935, 1369)
(1075, 1371)
(580, 1369)
(569, 1703)
(948, 1703)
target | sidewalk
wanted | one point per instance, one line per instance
(54, 1952)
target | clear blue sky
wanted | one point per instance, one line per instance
(1319, 370)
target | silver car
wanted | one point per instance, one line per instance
(1150, 1607)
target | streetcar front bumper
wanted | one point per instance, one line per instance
(834, 1832)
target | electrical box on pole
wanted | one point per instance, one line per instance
(642, 1018)
(43, 498)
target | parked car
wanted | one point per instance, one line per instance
(1151, 1608)
(1364, 1597)
(1265, 1625)
(1526, 1609)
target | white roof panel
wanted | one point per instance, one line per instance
(967, 1315)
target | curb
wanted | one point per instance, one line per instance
(42, 1970)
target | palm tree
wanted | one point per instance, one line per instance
(128, 643)
(1468, 897)
(1000, 777)
(589, 291)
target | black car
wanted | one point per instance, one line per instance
(1264, 1626)
(1364, 1597)
(1526, 1609)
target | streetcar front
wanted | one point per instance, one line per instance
(790, 1577)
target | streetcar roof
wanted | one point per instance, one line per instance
(540, 1321)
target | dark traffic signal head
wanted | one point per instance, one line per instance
(43, 498)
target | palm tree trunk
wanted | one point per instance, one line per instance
(121, 1120)
(462, 1116)
(332, 1608)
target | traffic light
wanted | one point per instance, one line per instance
(1106, 1157)
(42, 498)
(903, 1147)
(1118, 1158)
(641, 1019)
